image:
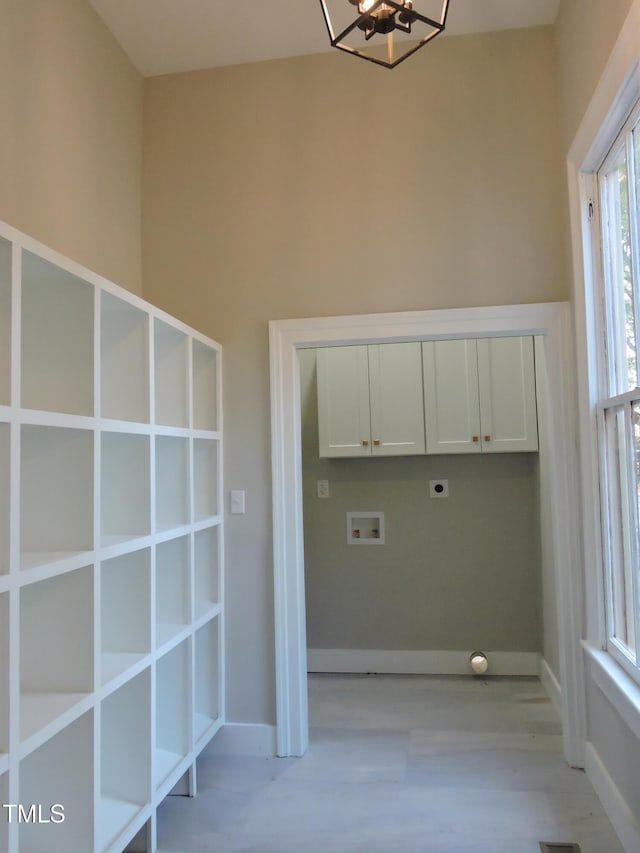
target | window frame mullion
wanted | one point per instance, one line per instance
(634, 226)
(619, 477)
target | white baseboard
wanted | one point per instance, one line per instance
(618, 812)
(551, 685)
(256, 739)
(418, 662)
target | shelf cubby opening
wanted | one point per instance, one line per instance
(207, 668)
(5, 497)
(206, 571)
(173, 736)
(205, 414)
(171, 375)
(172, 482)
(58, 777)
(5, 645)
(125, 758)
(125, 506)
(57, 339)
(125, 590)
(172, 588)
(205, 478)
(56, 647)
(56, 496)
(141, 841)
(124, 361)
(5, 322)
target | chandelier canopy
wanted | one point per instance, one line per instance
(383, 31)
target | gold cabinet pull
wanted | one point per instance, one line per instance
(487, 438)
(365, 442)
(476, 438)
(376, 441)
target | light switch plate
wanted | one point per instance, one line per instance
(323, 488)
(237, 502)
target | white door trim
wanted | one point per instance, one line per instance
(550, 320)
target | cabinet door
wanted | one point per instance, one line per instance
(395, 387)
(506, 377)
(343, 402)
(451, 405)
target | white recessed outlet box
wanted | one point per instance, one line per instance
(365, 528)
(438, 488)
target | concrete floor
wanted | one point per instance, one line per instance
(400, 763)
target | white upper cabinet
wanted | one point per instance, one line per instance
(507, 383)
(395, 389)
(451, 403)
(343, 401)
(480, 396)
(370, 400)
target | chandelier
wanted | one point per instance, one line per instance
(383, 31)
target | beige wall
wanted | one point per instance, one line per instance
(323, 186)
(71, 135)
(453, 575)
(585, 32)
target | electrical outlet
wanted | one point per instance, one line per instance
(323, 488)
(438, 488)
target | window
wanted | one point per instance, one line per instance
(619, 403)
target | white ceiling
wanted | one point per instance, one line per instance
(167, 36)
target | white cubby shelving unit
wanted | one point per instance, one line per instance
(111, 543)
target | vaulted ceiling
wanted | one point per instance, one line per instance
(168, 36)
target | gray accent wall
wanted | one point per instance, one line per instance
(454, 573)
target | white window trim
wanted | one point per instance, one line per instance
(614, 98)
